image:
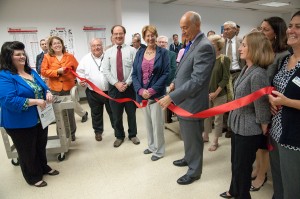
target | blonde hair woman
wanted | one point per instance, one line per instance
(249, 123)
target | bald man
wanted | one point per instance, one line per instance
(190, 92)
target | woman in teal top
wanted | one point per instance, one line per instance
(22, 90)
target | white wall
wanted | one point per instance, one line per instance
(135, 15)
(46, 15)
(74, 14)
(166, 18)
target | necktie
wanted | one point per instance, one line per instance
(187, 48)
(229, 49)
(119, 65)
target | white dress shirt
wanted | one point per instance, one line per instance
(109, 63)
(234, 62)
(90, 67)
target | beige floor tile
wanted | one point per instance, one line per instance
(95, 170)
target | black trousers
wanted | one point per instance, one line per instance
(31, 144)
(169, 115)
(118, 109)
(96, 103)
(243, 152)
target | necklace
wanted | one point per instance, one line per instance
(149, 52)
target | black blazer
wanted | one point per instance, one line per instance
(39, 60)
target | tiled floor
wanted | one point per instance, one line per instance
(95, 170)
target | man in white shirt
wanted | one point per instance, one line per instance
(90, 68)
(117, 68)
(230, 29)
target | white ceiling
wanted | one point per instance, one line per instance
(293, 6)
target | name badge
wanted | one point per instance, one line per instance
(296, 80)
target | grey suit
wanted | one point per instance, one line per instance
(191, 93)
(246, 122)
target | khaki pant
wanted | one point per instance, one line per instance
(218, 121)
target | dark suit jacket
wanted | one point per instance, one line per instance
(175, 48)
(159, 76)
(172, 57)
(193, 75)
(39, 60)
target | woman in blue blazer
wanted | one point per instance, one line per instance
(22, 90)
(149, 77)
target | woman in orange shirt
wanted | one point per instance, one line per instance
(55, 67)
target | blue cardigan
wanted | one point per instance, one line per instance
(158, 77)
(14, 92)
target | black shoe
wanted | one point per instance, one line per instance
(98, 136)
(84, 118)
(252, 188)
(180, 163)
(224, 195)
(147, 151)
(42, 184)
(186, 179)
(73, 138)
(154, 158)
(53, 172)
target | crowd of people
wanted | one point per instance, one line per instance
(203, 72)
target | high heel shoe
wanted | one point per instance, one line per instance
(252, 188)
(225, 195)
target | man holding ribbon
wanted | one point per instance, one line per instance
(190, 92)
(117, 67)
(90, 69)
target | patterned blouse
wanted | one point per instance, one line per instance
(37, 89)
(280, 81)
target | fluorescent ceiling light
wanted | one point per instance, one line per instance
(275, 4)
(230, 0)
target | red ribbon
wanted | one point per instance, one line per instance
(100, 92)
(235, 104)
(229, 106)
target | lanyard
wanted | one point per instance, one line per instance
(99, 66)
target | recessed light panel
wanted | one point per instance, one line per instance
(275, 4)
